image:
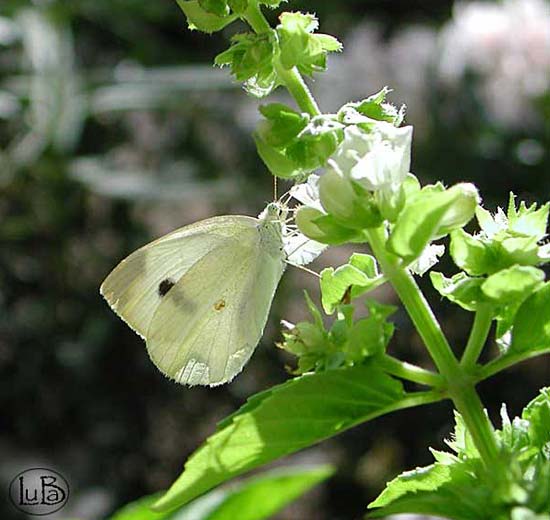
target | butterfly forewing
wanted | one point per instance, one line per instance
(208, 325)
(200, 296)
(136, 287)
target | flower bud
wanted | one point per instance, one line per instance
(466, 199)
(323, 228)
(305, 220)
(336, 194)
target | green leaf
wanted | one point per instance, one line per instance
(461, 487)
(369, 336)
(141, 510)
(315, 144)
(446, 490)
(264, 495)
(531, 330)
(432, 213)
(429, 478)
(283, 420)
(356, 277)
(198, 18)
(256, 498)
(537, 412)
(460, 289)
(513, 283)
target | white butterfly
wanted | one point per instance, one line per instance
(200, 296)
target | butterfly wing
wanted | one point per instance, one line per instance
(134, 289)
(206, 328)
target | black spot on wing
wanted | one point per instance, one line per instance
(165, 286)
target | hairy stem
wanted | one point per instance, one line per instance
(460, 386)
(297, 87)
(420, 312)
(478, 336)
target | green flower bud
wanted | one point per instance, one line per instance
(319, 226)
(305, 220)
(337, 195)
(348, 203)
(462, 210)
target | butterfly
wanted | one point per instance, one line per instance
(200, 296)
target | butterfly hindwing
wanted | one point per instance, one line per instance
(202, 332)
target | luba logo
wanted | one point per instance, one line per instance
(39, 491)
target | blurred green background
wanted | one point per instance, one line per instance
(115, 128)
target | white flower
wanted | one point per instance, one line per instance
(299, 249)
(378, 160)
(427, 259)
(307, 193)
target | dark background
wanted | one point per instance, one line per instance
(115, 129)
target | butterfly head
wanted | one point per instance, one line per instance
(274, 212)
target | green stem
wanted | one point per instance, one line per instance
(506, 361)
(255, 18)
(410, 372)
(291, 78)
(420, 312)
(414, 399)
(298, 89)
(478, 336)
(460, 385)
(471, 409)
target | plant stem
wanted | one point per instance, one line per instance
(460, 385)
(255, 18)
(479, 426)
(478, 336)
(297, 87)
(506, 361)
(420, 312)
(410, 372)
(291, 78)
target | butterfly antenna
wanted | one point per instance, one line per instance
(296, 248)
(310, 271)
(275, 194)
